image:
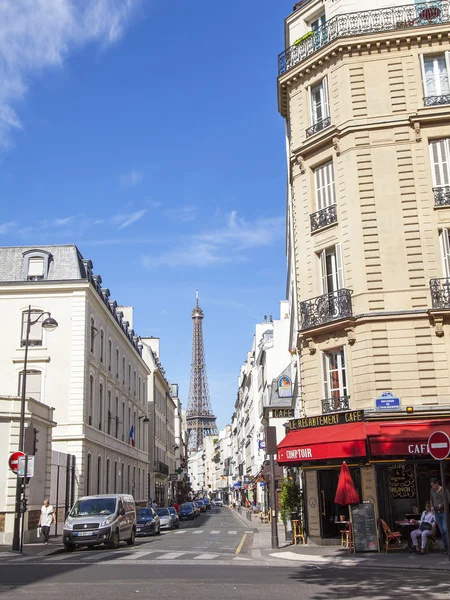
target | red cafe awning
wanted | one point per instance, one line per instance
(403, 438)
(322, 443)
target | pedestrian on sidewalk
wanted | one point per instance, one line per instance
(437, 502)
(46, 519)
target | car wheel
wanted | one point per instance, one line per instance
(132, 539)
(114, 543)
(69, 547)
(159, 531)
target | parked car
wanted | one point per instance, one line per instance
(175, 517)
(218, 502)
(166, 520)
(207, 503)
(202, 505)
(94, 520)
(187, 511)
(147, 522)
(197, 508)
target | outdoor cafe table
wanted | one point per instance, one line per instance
(411, 524)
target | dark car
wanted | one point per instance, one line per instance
(175, 517)
(187, 511)
(207, 502)
(202, 505)
(147, 522)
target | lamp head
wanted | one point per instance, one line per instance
(49, 324)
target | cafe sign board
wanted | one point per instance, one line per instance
(342, 418)
(282, 413)
(284, 387)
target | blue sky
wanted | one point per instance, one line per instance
(147, 133)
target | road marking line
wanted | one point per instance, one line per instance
(232, 532)
(170, 555)
(215, 532)
(239, 548)
(194, 532)
(89, 555)
(206, 556)
(179, 532)
(137, 555)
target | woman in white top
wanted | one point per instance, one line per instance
(427, 524)
(46, 519)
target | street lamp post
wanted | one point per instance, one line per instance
(49, 324)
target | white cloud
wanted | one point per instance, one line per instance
(131, 178)
(183, 214)
(37, 34)
(222, 245)
(6, 227)
(128, 219)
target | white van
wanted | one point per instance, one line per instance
(104, 519)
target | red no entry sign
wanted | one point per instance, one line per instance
(13, 461)
(439, 445)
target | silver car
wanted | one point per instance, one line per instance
(166, 520)
(104, 519)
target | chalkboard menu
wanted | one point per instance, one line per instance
(401, 481)
(364, 524)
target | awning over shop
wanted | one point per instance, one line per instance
(403, 438)
(322, 443)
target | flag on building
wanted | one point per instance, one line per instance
(131, 435)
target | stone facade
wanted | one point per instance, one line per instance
(381, 224)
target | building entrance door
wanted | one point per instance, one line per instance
(328, 481)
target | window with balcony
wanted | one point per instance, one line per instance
(435, 70)
(93, 332)
(440, 287)
(335, 389)
(331, 269)
(440, 166)
(36, 330)
(319, 108)
(319, 30)
(117, 363)
(100, 407)
(91, 399)
(117, 417)
(109, 355)
(326, 213)
(109, 412)
(102, 344)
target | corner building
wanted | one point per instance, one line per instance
(364, 89)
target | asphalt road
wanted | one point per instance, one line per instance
(201, 562)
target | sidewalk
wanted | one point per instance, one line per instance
(309, 554)
(37, 549)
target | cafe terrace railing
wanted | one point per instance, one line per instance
(391, 18)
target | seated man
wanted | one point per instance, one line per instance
(427, 525)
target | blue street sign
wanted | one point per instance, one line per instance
(387, 401)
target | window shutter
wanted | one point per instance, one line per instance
(325, 373)
(422, 70)
(325, 103)
(439, 152)
(330, 184)
(339, 267)
(323, 268)
(445, 252)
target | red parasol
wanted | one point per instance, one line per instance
(346, 492)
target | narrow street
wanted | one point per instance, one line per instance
(206, 558)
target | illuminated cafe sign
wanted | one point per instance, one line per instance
(282, 413)
(352, 416)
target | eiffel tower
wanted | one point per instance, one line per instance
(199, 417)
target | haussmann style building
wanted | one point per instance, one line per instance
(363, 88)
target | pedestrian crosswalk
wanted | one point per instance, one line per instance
(115, 557)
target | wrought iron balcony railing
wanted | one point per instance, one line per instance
(325, 309)
(440, 293)
(322, 124)
(324, 217)
(162, 468)
(436, 100)
(337, 404)
(391, 18)
(442, 196)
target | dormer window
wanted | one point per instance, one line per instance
(36, 265)
(35, 268)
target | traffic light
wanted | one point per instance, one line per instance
(30, 440)
(24, 505)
